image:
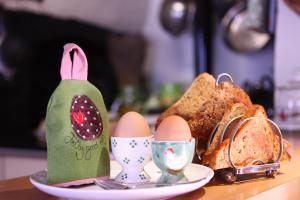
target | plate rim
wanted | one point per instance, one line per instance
(175, 189)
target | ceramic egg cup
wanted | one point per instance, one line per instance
(171, 157)
(132, 154)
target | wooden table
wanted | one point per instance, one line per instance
(20, 188)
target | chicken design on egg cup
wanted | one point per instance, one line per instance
(171, 157)
(132, 153)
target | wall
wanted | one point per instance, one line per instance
(113, 14)
(169, 59)
(287, 63)
(287, 44)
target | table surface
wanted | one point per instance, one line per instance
(21, 188)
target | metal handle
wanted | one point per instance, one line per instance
(221, 76)
(235, 119)
(212, 135)
(266, 168)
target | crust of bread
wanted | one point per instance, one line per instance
(237, 93)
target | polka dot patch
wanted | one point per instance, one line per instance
(85, 118)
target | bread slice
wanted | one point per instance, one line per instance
(254, 141)
(237, 109)
(198, 93)
(211, 112)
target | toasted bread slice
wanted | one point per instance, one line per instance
(236, 110)
(211, 112)
(198, 93)
(254, 141)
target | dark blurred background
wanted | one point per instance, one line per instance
(32, 50)
(142, 55)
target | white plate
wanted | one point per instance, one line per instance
(198, 175)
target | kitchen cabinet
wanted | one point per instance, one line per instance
(16, 162)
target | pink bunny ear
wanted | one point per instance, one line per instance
(76, 70)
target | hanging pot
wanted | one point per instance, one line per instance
(176, 15)
(244, 26)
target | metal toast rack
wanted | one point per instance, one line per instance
(232, 173)
(257, 167)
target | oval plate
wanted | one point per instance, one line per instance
(197, 175)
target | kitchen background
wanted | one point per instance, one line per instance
(143, 54)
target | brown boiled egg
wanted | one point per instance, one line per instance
(132, 124)
(173, 128)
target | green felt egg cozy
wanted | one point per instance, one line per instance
(77, 129)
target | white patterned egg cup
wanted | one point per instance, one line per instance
(132, 154)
